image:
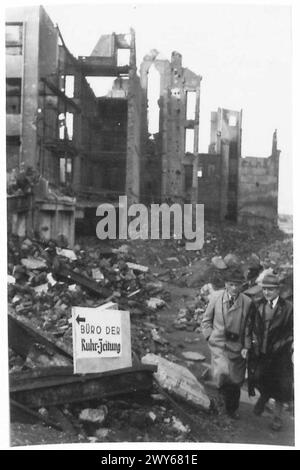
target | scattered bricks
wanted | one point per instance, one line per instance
(43, 412)
(155, 303)
(16, 299)
(11, 279)
(41, 289)
(23, 308)
(97, 274)
(41, 356)
(152, 416)
(218, 262)
(34, 263)
(124, 249)
(20, 273)
(158, 397)
(50, 279)
(179, 426)
(102, 433)
(138, 267)
(66, 253)
(157, 338)
(232, 260)
(94, 416)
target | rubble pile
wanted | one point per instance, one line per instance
(189, 318)
(21, 182)
(45, 279)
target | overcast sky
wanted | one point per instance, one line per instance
(243, 53)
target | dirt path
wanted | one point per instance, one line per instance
(250, 429)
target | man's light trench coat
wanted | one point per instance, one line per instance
(228, 366)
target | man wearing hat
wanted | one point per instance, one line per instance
(270, 367)
(223, 326)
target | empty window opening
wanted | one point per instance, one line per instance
(189, 140)
(13, 95)
(232, 120)
(14, 38)
(101, 86)
(12, 151)
(190, 104)
(123, 57)
(62, 125)
(153, 95)
(65, 170)
(188, 173)
(69, 86)
(119, 88)
(69, 124)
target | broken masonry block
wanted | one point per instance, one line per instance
(218, 262)
(94, 416)
(137, 267)
(34, 263)
(178, 380)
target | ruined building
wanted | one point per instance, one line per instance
(177, 129)
(140, 138)
(243, 190)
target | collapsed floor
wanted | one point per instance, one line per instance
(166, 289)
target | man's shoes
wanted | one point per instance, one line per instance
(259, 407)
(234, 415)
(276, 424)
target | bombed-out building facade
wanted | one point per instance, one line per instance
(69, 149)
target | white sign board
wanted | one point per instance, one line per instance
(101, 339)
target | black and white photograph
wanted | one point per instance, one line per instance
(149, 274)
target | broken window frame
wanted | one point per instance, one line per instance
(65, 169)
(65, 128)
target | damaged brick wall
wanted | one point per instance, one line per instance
(258, 190)
(47, 125)
(133, 148)
(175, 82)
(219, 169)
(113, 165)
(109, 149)
(209, 184)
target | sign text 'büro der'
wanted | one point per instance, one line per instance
(101, 339)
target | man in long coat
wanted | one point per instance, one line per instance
(223, 326)
(270, 367)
